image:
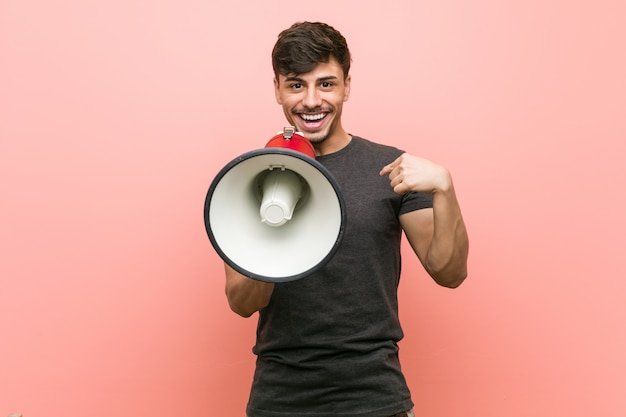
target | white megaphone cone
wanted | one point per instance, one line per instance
(275, 214)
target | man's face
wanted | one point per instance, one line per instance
(312, 102)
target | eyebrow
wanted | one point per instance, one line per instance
(300, 80)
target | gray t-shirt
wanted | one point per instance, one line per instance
(327, 343)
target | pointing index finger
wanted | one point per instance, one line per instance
(388, 168)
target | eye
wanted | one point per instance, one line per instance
(326, 84)
(295, 86)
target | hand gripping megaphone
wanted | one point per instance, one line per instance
(275, 214)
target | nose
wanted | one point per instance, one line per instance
(312, 98)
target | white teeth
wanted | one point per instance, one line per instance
(313, 117)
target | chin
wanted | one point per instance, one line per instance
(316, 138)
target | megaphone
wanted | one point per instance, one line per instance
(275, 214)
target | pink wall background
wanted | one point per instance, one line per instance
(116, 115)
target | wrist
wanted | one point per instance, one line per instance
(443, 185)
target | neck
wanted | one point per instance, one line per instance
(332, 144)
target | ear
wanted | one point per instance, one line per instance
(277, 92)
(346, 83)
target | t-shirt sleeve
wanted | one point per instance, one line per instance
(415, 201)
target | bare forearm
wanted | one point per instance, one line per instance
(246, 295)
(446, 259)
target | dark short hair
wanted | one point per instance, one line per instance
(304, 45)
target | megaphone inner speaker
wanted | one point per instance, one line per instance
(270, 252)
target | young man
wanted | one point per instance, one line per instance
(327, 344)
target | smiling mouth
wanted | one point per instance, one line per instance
(312, 117)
